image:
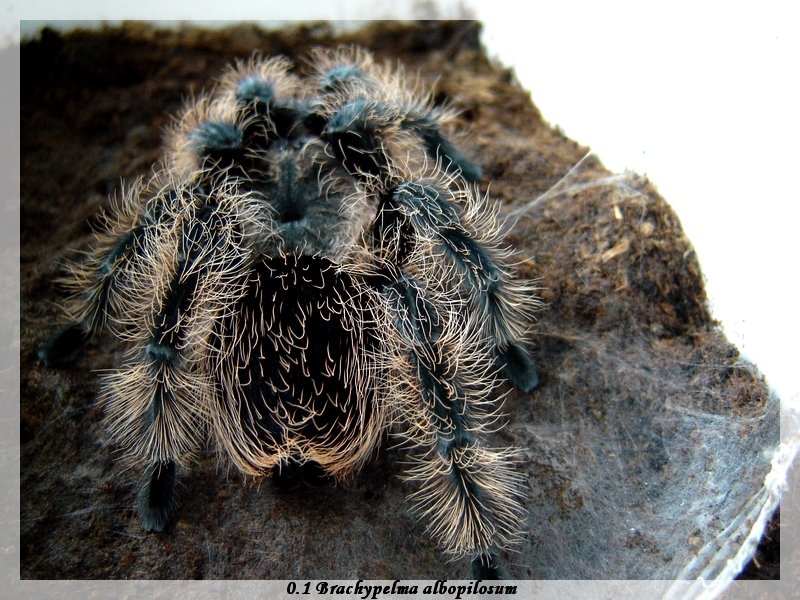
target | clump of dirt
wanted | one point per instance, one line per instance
(625, 343)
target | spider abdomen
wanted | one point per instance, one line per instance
(294, 369)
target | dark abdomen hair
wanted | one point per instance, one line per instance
(294, 369)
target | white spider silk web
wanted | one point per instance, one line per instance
(667, 491)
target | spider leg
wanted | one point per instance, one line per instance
(369, 106)
(417, 211)
(97, 282)
(467, 492)
(426, 123)
(65, 344)
(220, 135)
(157, 404)
(487, 567)
(358, 128)
(157, 498)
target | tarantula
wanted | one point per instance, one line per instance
(310, 265)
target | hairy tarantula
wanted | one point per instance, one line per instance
(311, 265)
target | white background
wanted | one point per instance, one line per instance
(700, 96)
